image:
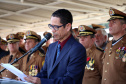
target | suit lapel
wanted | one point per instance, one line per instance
(53, 55)
(52, 58)
(63, 52)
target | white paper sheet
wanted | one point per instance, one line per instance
(14, 70)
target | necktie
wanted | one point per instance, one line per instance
(58, 51)
(28, 58)
(10, 58)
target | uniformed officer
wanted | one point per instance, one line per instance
(114, 58)
(101, 37)
(21, 44)
(3, 45)
(93, 69)
(13, 46)
(32, 64)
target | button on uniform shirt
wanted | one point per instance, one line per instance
(93, 68)
(34, 64)
(18, 65)
(114, 63)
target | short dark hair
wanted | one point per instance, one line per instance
(64, 15)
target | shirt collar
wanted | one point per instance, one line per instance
(116, 41)
(64, 42)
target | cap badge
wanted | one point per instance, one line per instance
(11, 36)
(28, 33)
(111, 12)
(81, 28)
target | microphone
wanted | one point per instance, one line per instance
(46, 38)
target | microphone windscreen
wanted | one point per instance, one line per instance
(48, 36)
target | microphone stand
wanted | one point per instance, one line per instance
(15, 60)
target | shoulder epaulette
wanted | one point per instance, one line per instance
(100, 49)
(41, 54)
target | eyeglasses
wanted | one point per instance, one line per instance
(55, 27)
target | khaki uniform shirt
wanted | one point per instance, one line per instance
(114, 69)
(34, 64)
(93, 68)
(18, 65)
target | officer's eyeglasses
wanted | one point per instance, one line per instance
(55, 27)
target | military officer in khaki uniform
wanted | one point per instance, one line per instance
(32, 64)
(2, 51)
(21, 42)
(13, 46)
(101, 37)
(3, 45)
(114, 58)
(93, 69)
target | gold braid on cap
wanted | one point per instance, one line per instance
(117, 17)
(32, 37)
(85, 33)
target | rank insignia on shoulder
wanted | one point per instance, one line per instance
(33, 70)
(90, 63)
(41, 54)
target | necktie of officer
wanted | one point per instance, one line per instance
(10, 58)
(58, 51)
(28, 58)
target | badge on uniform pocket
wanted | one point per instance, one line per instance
(90, 63)
(33, 70)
